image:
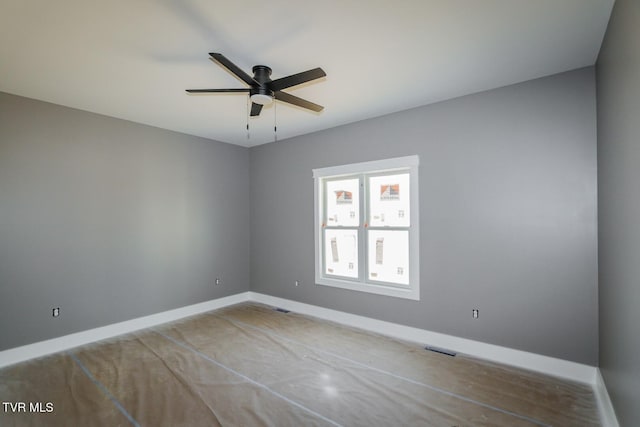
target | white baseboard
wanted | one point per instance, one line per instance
(521, 359)
(43, 348)
(605, 407)
(508, 356)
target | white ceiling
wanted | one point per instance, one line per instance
(134, 59)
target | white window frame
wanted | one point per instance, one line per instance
(399, 164)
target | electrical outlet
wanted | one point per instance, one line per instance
(217, 280)
(297, 283)
(56, 312)
(475, 313)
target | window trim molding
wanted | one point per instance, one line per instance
(409, 163)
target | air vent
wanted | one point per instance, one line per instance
(441, 351)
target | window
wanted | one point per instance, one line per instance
(366, 227)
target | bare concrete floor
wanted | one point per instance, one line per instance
(250, 365)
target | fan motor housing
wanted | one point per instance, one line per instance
(261, 74)
(261, 94)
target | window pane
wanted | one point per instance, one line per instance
(343, 203)
(341, 252)
(389, 200)
(388, 254)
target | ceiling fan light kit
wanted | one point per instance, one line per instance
(261, 98)
(262, 90)
(261, 95)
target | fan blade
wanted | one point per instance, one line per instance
(285, 97)
(218, 90)
(255, 109)
(233, 68)
(296, 79)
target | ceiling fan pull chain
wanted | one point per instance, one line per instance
(248, 135)
(275, 122)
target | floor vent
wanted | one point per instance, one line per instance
(441, 351)
(282, 310)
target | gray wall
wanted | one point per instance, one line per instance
(507, 215)
(111, 220)
(618, 83)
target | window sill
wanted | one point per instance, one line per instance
(411, 293)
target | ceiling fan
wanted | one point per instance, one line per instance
(262, 90)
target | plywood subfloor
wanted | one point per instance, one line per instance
(250, 365)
